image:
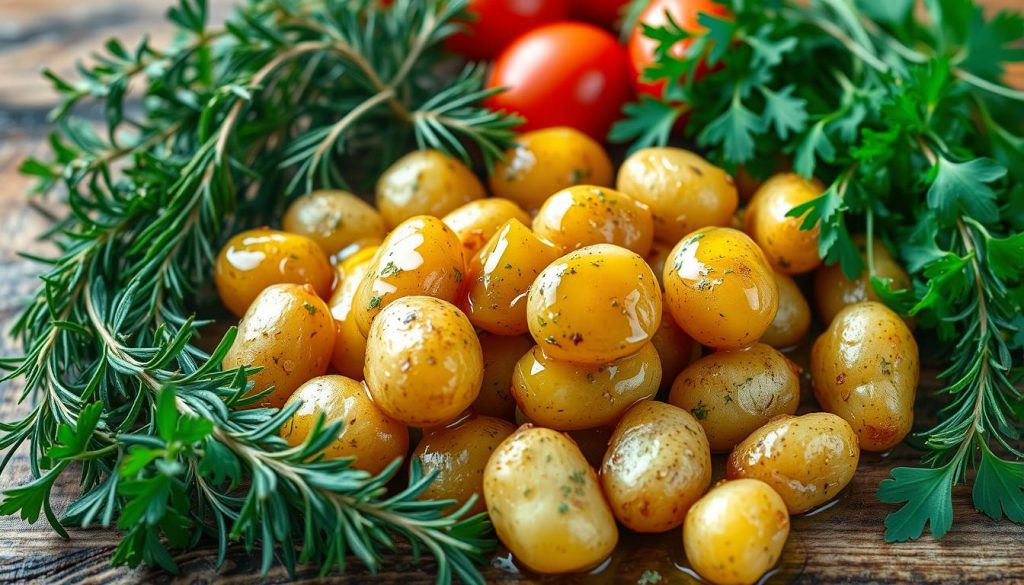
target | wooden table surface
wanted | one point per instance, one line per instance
(841, 545)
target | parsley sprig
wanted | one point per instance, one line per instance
(921, 146)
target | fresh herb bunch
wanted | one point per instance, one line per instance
(232, 123)
(922, 148)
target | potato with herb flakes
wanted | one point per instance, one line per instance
(789, 249)
(501, 354)
(594, 305)
(683, 191)
(720, 288)
(546, 504)
(657, 465)
(583, 215)
(421, 256)
(546, 161)
(425, 182)
(367, 434)
(500, 276)
(793, 318)
(255, 259)
(833, 290)
(865, 368)
(572, 396)
(475, 222)
(806, 459)
(349, 341)
(288, 332)
(458, 454)
(424, 364)
(335, 220)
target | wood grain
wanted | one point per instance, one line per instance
(843, 544)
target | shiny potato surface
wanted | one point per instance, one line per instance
(255, 259)
(501, 275)
(806, 459)
(657, 258)
(367, 434)
(546, 161)
(657, 465)
(865, 368)
(720, 288)
(684, 191)
(790, 249)
(424, 364)
(736, 532)
(571, 396)
(335, 220)
(475, 222)
(594, 305)
(501, 354)
(425, 182)
(583, 215)
(546, 504)
(793, 318)
(288, 332)
(833, 291)
(733, 393)
(349, 341)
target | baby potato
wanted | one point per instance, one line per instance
(424, 364)
(594, 305)
(720, 288)
(789, 249)
(684, 191)
(368, 435)
(656, 259)
(420, 257)
(334, 220)
(733, 393)
(736, 532)
(459, 454)
(501, 275)
(586, 214)
(675, 348)
(349, 342)
(546, 504)
(833, 291)
(793, 318)
(806, 459)
(475, 222)
(425, 182)
(288, 332)
(657, 465)
(865, 368)
(501, 354)
(255, 259)
(546, 161)
(570, 396)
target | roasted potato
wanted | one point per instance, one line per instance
(475, 222)
(675, 348)
(501, 354)
(833, 291)
(425, 182)
(349, 341)
(790, 250)
(793, 318)
(335, 220)
(583, 215)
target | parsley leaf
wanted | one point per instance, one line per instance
(735, 129)
(965, 186)
(998, 487)
(927, 494)
(783, 111)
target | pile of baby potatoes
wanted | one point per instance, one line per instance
(571, 354)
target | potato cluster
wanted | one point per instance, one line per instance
(566, 304)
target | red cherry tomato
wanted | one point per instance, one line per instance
(499, 22)
(563, 74)
(642, 48)
(603, 12)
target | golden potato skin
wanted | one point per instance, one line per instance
(459, 454)
(368, 435)
(720, 288)
(546, 504)
(475, 222)
(546, 161)
(334, 220)
(733, 393)
(594, 305)
(789, 249)
(255, 259)
(675, 348)
(657, 258)
(349, 341)
(592, 443)
(583, 215)
(424, 364)
(570, 396)
(806, 459)
(736, 532)
(501, 275)
(421, 256)
(287, 331)
(657, 465)
(425, 182)
(865, 368)
(793, 318)
(833, 291)
(501, 354)
(684, 191)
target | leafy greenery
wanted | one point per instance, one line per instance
(921, 146)
(229, 125)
